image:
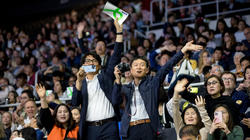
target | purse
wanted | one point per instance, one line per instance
(185, 68)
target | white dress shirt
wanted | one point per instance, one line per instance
(138, 110)
(99, 107)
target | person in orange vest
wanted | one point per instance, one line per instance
(59, 124)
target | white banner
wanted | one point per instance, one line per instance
(115, 12)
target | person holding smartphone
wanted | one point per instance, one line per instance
(223, 126)
(93, 91)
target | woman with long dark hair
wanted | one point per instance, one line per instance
(60, 124)
(223, 127)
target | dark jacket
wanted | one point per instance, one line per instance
(149, 89)
(106, 79)
(227, 100)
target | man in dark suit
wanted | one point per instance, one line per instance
(140, 119)
(93, 92)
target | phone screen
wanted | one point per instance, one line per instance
(218, 116)
(89, 68)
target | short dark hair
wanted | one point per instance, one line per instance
(220, 81)
(29, 93)
(218, 49)
(247, 58)
(141, 58)
(21, 76)
(228, 72)
(29, 133)
(189, 130)
(96, 56)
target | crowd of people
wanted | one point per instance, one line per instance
(125, 95)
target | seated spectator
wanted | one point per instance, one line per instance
(29, 133)
(204, 60)
(224, 128)
(238, 69)
(228, 46)
(5, 88)
(21, 80)
(216, 70)
(15, 135)
(2, 133)
(190, 132)
(245, 85)
(239, 35)
(7, 124)
(59, 89)
(244, 62)
(215, 87)
(190, 115)
(76, 114)
(72, 80)
(247, 40)
(217, 58)
(60, 123)
(12, 99)
(29, 71)
(240, 98)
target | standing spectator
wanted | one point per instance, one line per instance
(89, 84)
(12, 99)
(141, 110)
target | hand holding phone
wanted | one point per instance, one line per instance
(218, 116)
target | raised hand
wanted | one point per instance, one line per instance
(80, 28)
(41, 91)
(191, 47)
(80, 74)
(200, 101)
(117, 74)
(181, 85)
(118, 27)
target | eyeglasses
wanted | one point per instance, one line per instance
(212, 83)
(89, 61)
(227, 79)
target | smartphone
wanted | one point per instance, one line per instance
(218, 116)
(48, 92)
(193, 90)
(89, 68)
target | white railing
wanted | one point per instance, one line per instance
(69, 99)
(217, 12)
